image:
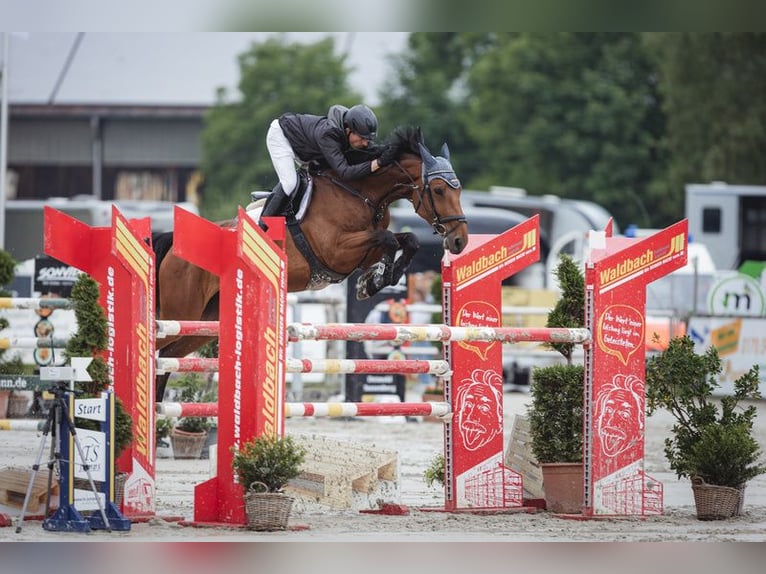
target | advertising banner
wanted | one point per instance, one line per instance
(616, 279)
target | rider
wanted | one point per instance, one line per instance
(325, 141)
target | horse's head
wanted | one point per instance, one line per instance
(437, 199)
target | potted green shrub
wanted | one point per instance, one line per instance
(190, 433)
(91, 340)
(263, 466)
(12, 365)
(556, 411)
(712, 442)
(163, 426)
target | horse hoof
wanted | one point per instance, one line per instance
(361, 292)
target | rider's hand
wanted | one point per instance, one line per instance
(388, 156)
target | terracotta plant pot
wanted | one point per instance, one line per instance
(563, 485)
(187, 444)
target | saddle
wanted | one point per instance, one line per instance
(321, 276)
(299, 199)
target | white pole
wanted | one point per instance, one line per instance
(3, 133)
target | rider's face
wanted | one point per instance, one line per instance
(356, 141)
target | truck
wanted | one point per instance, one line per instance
(730, 220)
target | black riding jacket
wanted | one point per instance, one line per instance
(322, 141)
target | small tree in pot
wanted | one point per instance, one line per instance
(556, 412)
(712, 442)
(190, 433)
(263, 467)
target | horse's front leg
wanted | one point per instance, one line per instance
(409, 244)
(381, 273)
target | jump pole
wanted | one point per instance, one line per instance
(120, 259)
(252, 342)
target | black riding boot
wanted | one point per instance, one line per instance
(275, 205)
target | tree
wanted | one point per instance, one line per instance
(429, 90)
(570, 114)
(712, 86)
(275, 77)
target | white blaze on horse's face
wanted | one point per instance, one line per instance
(442, 199)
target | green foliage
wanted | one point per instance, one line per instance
(13, 365)
(428, 86)
(90, 340)
(275, 77)
(726, 455)
(715, 77)
(435, 471)
(92, 326)
(162, 428)
(571, 114)
(7, 267)
(555, 414)
(268, 459)
(569, 310)
(193, 390)
(712, 439)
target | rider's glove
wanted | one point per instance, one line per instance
(388, 156)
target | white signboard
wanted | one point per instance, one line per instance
(86, 499)
(738, 295)
(91, 409)
(93, 445)
(740, 341)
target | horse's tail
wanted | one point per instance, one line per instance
(161, 243)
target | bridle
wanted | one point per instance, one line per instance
(439, 169)
(436, 168)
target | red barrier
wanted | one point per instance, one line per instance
(616, 278)
(252, 340)
(471, 287)
(121, 261)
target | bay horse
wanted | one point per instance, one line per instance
(344, 229)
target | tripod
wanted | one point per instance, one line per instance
(66, 517)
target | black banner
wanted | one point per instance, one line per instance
(52, 277)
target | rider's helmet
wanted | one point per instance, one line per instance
(361, 120)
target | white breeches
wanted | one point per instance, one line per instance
(283, 157)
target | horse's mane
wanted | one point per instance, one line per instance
(406, 139)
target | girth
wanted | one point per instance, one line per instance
(321, 276)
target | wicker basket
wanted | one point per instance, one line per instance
(119, 488)
(266, 510)
(715, 502)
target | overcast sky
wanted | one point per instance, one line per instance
(166, 68)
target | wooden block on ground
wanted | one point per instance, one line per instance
(520, 458)
(15, 481)
(333, 470)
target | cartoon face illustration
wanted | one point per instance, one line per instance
(480, 408)
(620, 414)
